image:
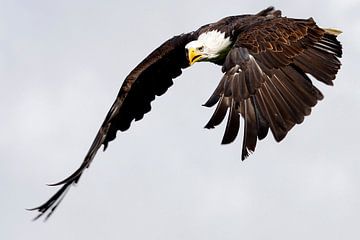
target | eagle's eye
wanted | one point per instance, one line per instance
(201, 48)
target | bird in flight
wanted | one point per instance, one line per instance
(266, 60)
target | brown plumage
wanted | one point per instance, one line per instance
(265, 81)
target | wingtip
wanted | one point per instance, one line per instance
(211, 101)
(57, 184)
(32, 209)
(227, 140)
(245, 154)
(209, 126)
(73, 178)
(37, 216)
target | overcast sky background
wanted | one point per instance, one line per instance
(61, 66)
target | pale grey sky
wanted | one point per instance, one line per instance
(61, 66)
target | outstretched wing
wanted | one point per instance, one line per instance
(266, 79)
(152, 77)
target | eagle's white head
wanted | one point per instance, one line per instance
(209, 46)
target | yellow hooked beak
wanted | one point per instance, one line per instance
(194, 55)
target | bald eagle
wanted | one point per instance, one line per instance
(266, 60)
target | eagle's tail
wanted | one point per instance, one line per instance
(333, 31)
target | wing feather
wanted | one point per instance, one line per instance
(250, 128)
(152, 77)
(219, 113)
(266, 70)
(233, 123)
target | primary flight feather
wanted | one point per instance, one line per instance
(266, 60)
